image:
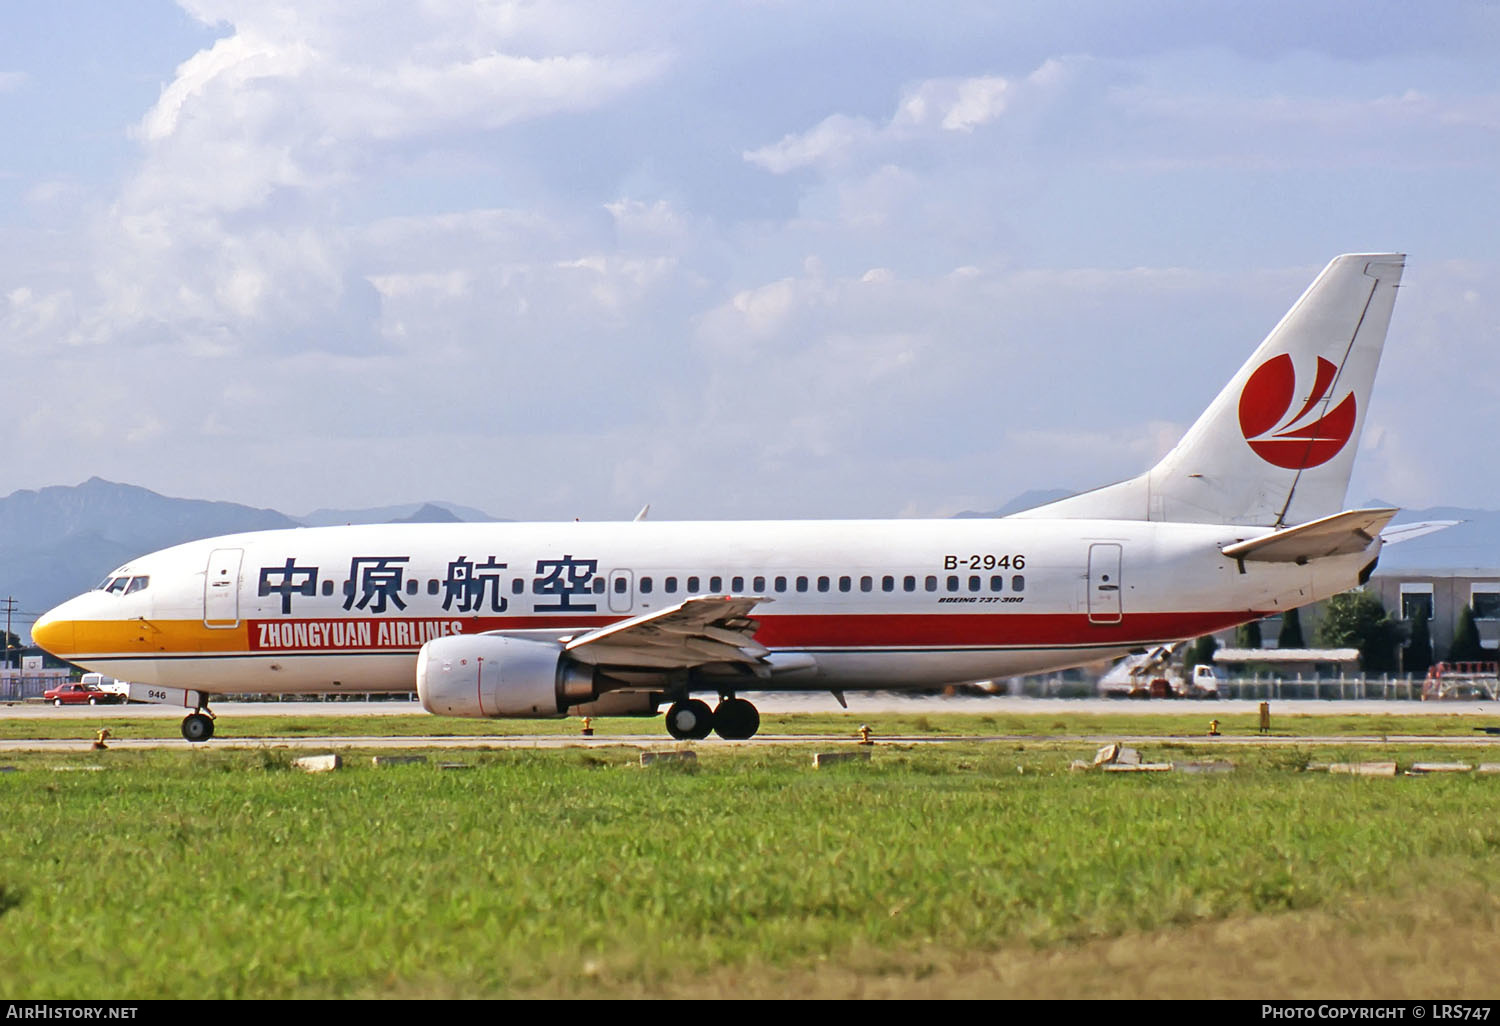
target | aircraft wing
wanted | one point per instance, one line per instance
(1339, 535)
(702, 629)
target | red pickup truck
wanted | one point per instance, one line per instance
(82, 694)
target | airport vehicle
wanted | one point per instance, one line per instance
(81, 693)
(1243, 519)
(1152, 675)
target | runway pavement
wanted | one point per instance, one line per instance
(823, 702)
(1194, 711)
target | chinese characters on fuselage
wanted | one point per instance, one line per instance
(382, 584)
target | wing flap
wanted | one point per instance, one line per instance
(1339, 535)
(699, 630)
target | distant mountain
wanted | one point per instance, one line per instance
(430, 513)
(410, 513)
(59, 541)
(1026, 500)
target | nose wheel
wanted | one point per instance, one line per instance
(198, 726)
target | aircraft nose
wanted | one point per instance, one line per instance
(53, 634)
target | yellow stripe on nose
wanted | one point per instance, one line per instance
(54, 636)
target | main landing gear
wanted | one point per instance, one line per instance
(734, 719)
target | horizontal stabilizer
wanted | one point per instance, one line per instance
(1406, 532)
(1339, 535)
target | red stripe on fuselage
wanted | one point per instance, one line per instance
(1012, 629)
(949, 630)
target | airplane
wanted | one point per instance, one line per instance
(1244, 518)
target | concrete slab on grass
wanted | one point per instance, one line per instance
(1364, 769)
(822, 759)
(396, 760)
(652, 758)
(318, 763)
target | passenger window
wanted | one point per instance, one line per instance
(692, 586)
(348, 588)
(974, 583)
(997, 583)
(802, 584)
(822, 584)
(866, 584)
(411, 586)
(737, 584)
(619, 585)
(931, 583)
(327, 587)
(645, 585)
(781, 584)
(845, 583)
(598, 586)
(518, 586)
(432, 586)
(760, 585)
(670, 586)
(716, 584)
(910, 583)
(952, 583)
(1018, 582)
(887, 583)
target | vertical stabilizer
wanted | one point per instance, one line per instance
(1277, 445)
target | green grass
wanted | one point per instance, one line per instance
(225, 874)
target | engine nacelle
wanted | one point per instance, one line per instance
(489, 675)
(620, 703)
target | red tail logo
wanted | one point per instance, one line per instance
(1296, 442)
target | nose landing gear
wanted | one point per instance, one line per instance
(198, 725)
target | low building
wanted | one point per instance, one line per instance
(1289, 663)
(1442, 595)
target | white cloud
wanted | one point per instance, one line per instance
(231, 234)
(569, 242)
(923, 114)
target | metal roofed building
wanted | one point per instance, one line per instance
(1306, 663)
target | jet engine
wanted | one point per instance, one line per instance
(491, 675)
(620, 703)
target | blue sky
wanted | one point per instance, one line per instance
(736, 259)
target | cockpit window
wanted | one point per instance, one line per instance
(137, 584)
(117, 586)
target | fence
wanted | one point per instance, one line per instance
(1258, 687)
(16, 685)
(1384, 688)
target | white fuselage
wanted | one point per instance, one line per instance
(850, 604)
